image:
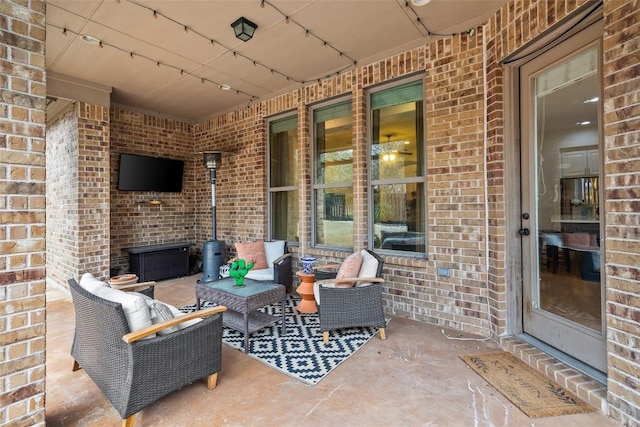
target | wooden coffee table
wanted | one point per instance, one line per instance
(243, 303)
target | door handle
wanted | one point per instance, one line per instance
(524, 232)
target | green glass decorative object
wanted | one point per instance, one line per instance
(239, 269)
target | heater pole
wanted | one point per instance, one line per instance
(214, 234)
(213, 251)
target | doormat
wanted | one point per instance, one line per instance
(301, 353)
(532, 392)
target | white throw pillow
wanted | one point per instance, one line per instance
(273, 251)
(90, 284)
(134, 306)
(265, 274)
(369, 267)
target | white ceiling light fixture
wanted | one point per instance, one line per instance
(420, 2)
(224, 87)
(91, 39)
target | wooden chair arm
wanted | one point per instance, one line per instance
(141, 333)
(134, 286)
(281, 258)
(350, 280)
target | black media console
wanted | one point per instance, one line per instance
(157, 262)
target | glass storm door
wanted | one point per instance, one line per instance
(561, 187)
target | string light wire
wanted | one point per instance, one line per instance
(308, 33)
(158, 64)
(191, 30)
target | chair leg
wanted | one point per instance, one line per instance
(130, 421)
(212, 381)
(76, 366)
(383, 335)
(325, 336)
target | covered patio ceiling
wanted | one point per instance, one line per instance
(181, 59)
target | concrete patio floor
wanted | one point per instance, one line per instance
(414, 378)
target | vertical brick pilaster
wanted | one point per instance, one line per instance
(305, 192)
(22, 212)
(62, 198)
(78, 198)
(621, 49)
(93, 195)
(360, 155)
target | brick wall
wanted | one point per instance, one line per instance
(455, 181)
(22, 213)
(62, 198)
(78, 193)
(241, 199)
(451, 65)
(134, 222)
(621, 45)
(453, 92)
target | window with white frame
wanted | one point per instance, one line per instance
(333, 175)
(283, 179)
(397, 192)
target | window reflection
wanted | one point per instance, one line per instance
(333, 177)
(283, 179)
(398, 221)
(397, 169)
(567, 159)
(334, 216)
(284, 215)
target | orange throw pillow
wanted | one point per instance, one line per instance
(253, 252)
(350, 268)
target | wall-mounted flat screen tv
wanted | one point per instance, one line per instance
(143, 173)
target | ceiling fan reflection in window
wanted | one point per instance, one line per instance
(393, 149)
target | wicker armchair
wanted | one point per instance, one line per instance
(133, 372)
(360, 305)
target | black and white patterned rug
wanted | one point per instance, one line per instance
(301, 353)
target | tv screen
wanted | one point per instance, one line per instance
(143, 173)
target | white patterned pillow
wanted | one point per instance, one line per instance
(161, 312)
(161, 317)
(176, 312)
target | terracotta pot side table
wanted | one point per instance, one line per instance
(305, 290)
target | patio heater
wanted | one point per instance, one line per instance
(213, 251)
